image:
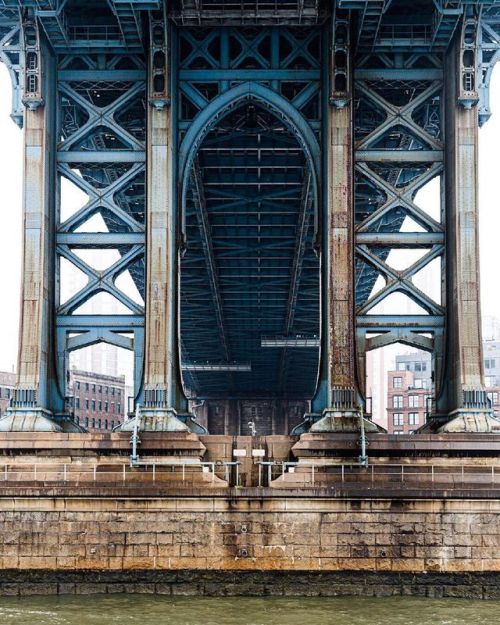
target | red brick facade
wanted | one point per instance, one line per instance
(406, 405)
(98, 400)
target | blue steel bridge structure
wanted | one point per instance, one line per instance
(252, 165)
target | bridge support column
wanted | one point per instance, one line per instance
(162, 399)
(341, 410)
(462, 405)
(36, 398)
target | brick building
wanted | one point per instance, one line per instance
(410, 388)
(407, 403)
(7, 383)
(409, 392)
(491, 355)
(98, 400)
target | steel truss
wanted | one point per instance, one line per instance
(247, 88)
(101, 103)
(249, 267)
(11, 55)
(398, 150)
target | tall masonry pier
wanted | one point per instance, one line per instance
(243, 171)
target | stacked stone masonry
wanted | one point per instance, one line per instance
(217, 534)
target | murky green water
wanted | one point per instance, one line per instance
(157, 610)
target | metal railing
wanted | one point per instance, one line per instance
(94, 33)
(428, 476)
(409, 33)
(349, 476)
(102, 474)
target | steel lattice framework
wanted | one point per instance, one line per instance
(250, 209)
(261, 160)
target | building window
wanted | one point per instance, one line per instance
(99, 388)
(397, 382)
(77, 402)
(398, 432)
(112, 390)
(112, 425)
(93, 423)
(99, 422)
(397, 418)
(78, 385)
(413, 401)
(105, 424)
(413, 418)
(119, 408)
(493, 397)
(86, 404)
(7, 393)
(93, 405)
(100, 406)
(87, 386)
(489, 363)
(93, 388)
(397, 401)
(112, 407)
(401, 366)
(106, 406)
(86, 422)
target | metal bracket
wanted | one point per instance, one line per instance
(33, 70)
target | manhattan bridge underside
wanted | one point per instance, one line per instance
(250, 166)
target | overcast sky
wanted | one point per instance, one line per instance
(10, 224)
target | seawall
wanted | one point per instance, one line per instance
(65, 543)
(78, 519)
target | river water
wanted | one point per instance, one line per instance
(158, 610)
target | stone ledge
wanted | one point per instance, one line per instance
(194, 491)
(252, 583)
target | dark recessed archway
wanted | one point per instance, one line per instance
(250, 276)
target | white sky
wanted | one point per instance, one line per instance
(10, 218)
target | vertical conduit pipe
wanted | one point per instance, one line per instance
(363, 458)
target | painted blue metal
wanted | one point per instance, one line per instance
(11, 56)
(245, 120)
(249, 107)
(98, 112)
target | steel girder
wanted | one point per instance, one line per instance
(249, 224)
(489, 53)
(101, 112)
(249, 268)
(11, 56)
(398, 150)
(244, 13)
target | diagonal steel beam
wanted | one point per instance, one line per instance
(298, 257)
(204, 225)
